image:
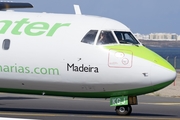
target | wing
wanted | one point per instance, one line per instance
(9, 5)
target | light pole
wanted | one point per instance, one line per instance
(167, 58)
(175, 62)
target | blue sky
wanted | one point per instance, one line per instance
(142, 16)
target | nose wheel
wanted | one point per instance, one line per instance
(123, 110)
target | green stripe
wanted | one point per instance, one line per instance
(132, 92)
(142, 52)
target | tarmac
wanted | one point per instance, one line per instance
(173, 90)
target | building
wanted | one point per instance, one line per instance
(141, 36)
(163, 36)
(158, 36)
(178, 38)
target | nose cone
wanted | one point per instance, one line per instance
(162, 73)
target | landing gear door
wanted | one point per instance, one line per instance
(119, 58)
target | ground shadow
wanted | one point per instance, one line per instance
(16, 98)
(78, 112)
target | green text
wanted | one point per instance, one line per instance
(27, 70)
(30, 28)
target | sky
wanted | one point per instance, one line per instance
(141, 16)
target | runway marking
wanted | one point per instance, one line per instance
(85, 116)
(162, 103)
(107, 100)
(133, 117)
(4, 118)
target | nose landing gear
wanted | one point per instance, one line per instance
(123, 104)
(123, 110)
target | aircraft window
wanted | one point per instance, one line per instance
(125, 37)
(106, 37)
(6, 44)
(90, 37)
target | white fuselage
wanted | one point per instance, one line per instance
(44, 57)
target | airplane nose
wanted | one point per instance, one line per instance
(162, 73)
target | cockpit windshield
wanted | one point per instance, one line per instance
(90, 37)
(125, 37)
(106, 37)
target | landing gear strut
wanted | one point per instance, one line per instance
(123, 110)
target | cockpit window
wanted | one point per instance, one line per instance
(106, 37)
(90, 37)
(125, 37)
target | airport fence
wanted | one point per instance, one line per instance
(175, 61)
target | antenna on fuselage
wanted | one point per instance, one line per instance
(77, 10)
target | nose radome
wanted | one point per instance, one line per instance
(162, 76)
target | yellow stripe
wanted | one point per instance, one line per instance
(162, 103)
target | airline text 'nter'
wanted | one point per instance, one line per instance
(30, 28)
